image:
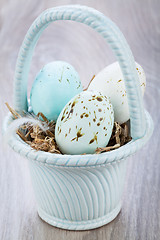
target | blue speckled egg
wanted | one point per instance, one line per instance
(56, 83)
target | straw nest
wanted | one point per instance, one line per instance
(44, 139)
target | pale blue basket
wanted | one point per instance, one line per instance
(80, 192)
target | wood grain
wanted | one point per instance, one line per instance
(139, 20)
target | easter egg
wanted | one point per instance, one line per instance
(56, 83)
(110, 82)
(85, 123)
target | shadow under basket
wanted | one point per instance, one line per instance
(80, 192)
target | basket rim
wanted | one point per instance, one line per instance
(87, 160)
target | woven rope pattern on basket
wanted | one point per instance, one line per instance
(78, 198)
(114, 38)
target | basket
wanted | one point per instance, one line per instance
(79, 192)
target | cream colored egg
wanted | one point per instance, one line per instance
(85, 123)
(110, 83)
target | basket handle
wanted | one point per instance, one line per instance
(109, 31)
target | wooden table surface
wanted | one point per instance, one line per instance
(139, 20)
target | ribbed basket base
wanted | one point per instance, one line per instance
(79, 225)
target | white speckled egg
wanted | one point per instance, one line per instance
(56, 83)
(85, 123)
(110, 83)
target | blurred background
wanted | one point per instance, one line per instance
(86, 50)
